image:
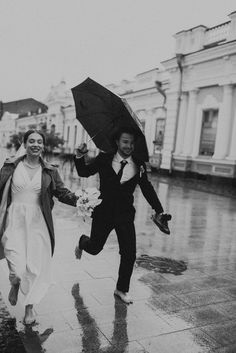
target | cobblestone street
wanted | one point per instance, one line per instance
(183, 285)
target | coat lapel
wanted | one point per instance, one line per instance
(108, 160)
(46, 176)
(8, 169)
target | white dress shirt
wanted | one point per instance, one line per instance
(129, 170)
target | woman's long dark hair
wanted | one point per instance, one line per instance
(29, 132)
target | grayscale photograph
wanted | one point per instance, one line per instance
(117, 176)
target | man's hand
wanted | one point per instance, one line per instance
(161, 220)
(81, 150)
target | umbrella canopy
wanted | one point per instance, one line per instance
(102, 113)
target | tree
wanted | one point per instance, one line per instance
(52, 141)
(15, 141)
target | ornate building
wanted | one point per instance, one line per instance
(61, 117)
(187, 109)
(200, 134)
(146, 96)
(20, 115)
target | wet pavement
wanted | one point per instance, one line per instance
(183, 285)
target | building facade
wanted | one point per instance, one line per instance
(19, 116)
(61, 117)
(200, 134)
(187, 109)
(146, 96)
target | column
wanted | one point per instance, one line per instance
(181, 124)
(224, 124)
(190, 124)
(232, 151)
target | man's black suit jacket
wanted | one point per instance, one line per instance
(117, 204)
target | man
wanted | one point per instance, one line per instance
(119, 174)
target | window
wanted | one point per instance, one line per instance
(208, 133)
(75, 135)
(32, 126)
(159, 135)
(68, 133)
(53, 129)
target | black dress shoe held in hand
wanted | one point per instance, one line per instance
(161, 220)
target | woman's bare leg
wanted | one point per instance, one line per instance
(29, 315)
(13, 294)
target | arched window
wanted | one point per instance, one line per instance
(208, 133)
(68, 134)
(159, 135)
(75, 135)
(53, 129)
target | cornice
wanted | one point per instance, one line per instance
(144, 91)
(203, 55)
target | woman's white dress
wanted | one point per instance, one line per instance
(26, 239)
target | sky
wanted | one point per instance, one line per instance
(45, 41)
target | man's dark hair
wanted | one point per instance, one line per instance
(29, 132)
(125, 130)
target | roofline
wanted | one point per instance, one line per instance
(207, 28)
(190, 29)
(23, 99)
(144, 72)
(216, 26)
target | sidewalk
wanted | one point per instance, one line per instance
(192, 312)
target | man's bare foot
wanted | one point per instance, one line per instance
(13, 294)
(124, 296)
(29, 318)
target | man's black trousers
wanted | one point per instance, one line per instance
(127, 244)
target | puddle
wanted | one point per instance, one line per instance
(161, 264)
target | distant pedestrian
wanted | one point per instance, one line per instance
(119, 174)
(27, 187)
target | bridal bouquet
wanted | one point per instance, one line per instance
(88, 199)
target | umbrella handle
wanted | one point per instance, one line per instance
(91, 139)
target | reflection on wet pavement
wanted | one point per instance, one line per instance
(32, 339)
(9, 337)
(90, 340)
(183, 285)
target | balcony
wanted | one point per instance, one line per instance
(216, 34)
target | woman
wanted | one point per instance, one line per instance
(28, 234)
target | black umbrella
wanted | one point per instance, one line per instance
(102, 113)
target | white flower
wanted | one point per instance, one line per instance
(79, 192)
(87, 201)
